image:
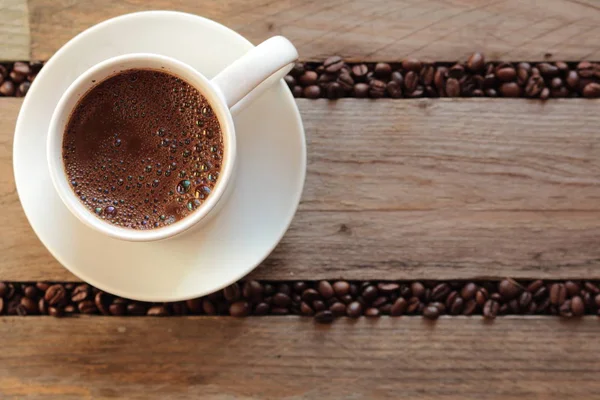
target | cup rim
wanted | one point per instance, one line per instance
(81, 86)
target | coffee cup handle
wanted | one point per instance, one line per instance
(266, 63)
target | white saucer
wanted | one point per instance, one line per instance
(268, 185)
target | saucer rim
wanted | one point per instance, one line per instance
(285, 225)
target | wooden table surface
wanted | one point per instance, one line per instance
(449, 189)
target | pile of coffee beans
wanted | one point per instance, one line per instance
(414, 78)
(16, 78)
(411, 78)
(323, 300)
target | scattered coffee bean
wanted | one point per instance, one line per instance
(239, 309)
(509, 289)
(157, 311)
(490, 309)
(431, 312)
(324, 317)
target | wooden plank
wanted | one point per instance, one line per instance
(14, 30)
(290, 357)
(421, 189)
(359, 30)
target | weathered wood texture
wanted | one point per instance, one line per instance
(420, 189)
(14, 30)
(291, 358)
(363, 30)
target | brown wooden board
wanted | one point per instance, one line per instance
(292, 358)
(412, 189)
(363, 30)
(14, 30)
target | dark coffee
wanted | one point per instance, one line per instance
(143, 149)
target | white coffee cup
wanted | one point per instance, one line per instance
(265, 64)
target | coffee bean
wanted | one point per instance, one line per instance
(558, 293)
(456, 307)
(565, 309)
(510, 89)
(312, 92)
(80, 293)
(354, 309)
(382, 70)
(387, 287)
(506, 73)
(56, 295)
(325, 289)
(379, 301)
(157, 311)
(496, 296)
(117, 309)
(370, 293)
(417, 289)
(548, 70)
(585, 69)
(577, 306)
(490, 309)
(42, 306)
(87, 307)
(525, 299)
(253, 290)
(411, 81)
(377, 88)
(346, 82)
(431, 312)
(282, 300)
(30, 292)
(297, 70)
(439, 79)
(136, 309)
(394, 89)
(261, 309)
(341, 288)
(338, 309)
(559, 92)
(319, 305)
(55, 312)
(591, 90)
(7, 88)
(333, 64)
(297, 287)
(3, 289)
(509, 289)
(69, 309)
(310, 295)
(208, 307)
(413, 305)
(411, 64)
(290, 81)
(572, 80)
(468, 291)
(476, 62)
(372, 312)
(30, 305)
(481, 296)
(298, 91)
(535, 286)
(543, 305)
(522, 74)
(592, 288)
(470, 307)
(239, 309)
(324, 317)
(21, 68)
(572, 288)
(102, 302)
(457, 71)
(399, 307)
(359, 71)
(308, 78)
(440, 291)
(452, 87)
(427, 74)
(491, 93)
(232, 292)
(305, 309)
(17, 77)
(544, 94)
(556, 83)
(361, 90)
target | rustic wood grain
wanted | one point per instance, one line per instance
(14, 30)
(426, 189)
(363, 30)
(291, 358)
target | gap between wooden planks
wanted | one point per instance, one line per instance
(290, 357)
(375, 30)
(412, 189)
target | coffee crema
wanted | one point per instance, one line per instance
(143, 149)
